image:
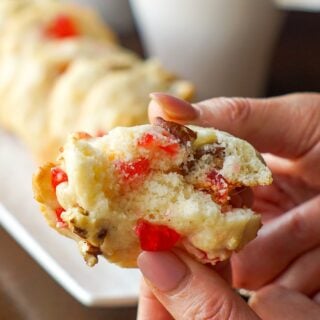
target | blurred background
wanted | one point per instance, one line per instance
(243, 49)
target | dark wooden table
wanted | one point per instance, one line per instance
(29, 293)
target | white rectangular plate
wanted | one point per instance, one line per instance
(103, 285)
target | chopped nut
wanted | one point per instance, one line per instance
(102, 234)
(89, 252)
(212, 149)
(83, 211)
(95, 251)
(80, 232)
(179, 131)
(186, 167)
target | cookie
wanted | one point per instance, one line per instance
(27, 85)
(152, 187)
(38, 40)
(99, 92)
(28, 25)
(62, 71)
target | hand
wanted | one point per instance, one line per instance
(177, 287)
(288, 129)
(186, 289)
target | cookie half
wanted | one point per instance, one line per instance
(152, 187)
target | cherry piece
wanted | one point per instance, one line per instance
(60, 222)
(59, 212)
(219, 186)
(155, 237)
(148, 141)
(57, 176)
(61, 27)
(133, 169)
(171, 149)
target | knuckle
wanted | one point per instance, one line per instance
(210, 310)
(238, 109)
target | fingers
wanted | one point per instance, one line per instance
(303, 274)
(189, 290)
(274, 194)
(278, 244)
(277, 303)
(269, 124)
(150, 305)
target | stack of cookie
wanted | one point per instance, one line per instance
(62, 70)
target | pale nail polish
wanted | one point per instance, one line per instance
(175, 108)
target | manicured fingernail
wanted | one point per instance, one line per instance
(163, 269)
(175, 108)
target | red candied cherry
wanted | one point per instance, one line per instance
(133, 169)
(154, 237)
(217, 180)
(60, 222)
(219, 185)
(171, 149)
(59, 212)
(57, 176)
(61, 27)
(148, 141)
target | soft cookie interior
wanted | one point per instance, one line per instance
(152, 187)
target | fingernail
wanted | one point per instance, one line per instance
(164, 270)
(175, 108)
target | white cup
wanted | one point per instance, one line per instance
(116, 13)
(223, 46)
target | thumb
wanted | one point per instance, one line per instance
(275, 302)
(287, 126)
(189, 290)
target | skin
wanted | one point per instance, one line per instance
(282, 263)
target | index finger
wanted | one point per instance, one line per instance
(287, 126)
